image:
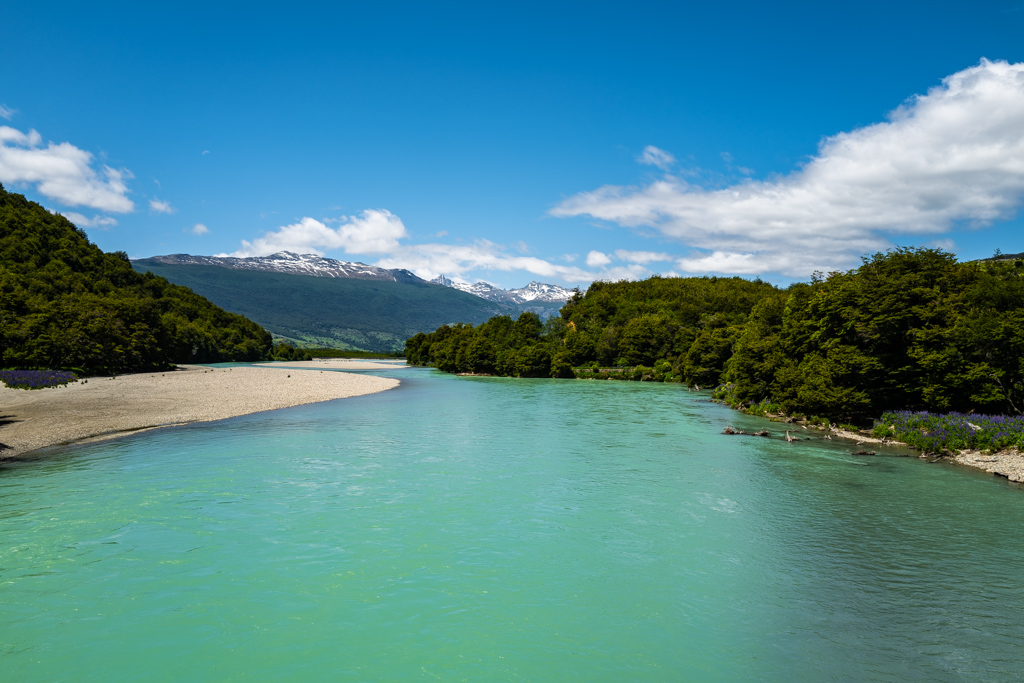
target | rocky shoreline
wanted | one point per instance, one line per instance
(1009, 464)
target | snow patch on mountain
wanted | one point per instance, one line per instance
(294, 264)
(535, 292)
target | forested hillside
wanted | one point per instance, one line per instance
(684, 326)
(64, 303)
(910, 329)
(370, 315)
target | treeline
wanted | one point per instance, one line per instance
(64, 303)
(685, 326)
(911, 329)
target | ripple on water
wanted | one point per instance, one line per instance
(496, 529)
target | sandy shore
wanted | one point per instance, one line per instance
(105, 408)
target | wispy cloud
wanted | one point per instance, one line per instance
(954, 156)
(652, 156)
(642, 256)
(6, 112)
(463, 261)
(62, 172)
(160, 206)
(97, 222)
(197, 229)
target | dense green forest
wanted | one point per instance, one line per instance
(64, 303)
(368, 315)
(911, 329)
(684, 326)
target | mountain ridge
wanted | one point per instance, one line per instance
(315, 265)
(291, 263)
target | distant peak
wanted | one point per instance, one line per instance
(534, 292)
(312, 265)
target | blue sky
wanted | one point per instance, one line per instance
(559, 142)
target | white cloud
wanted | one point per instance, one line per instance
(371, 232)
(596, 259)
(953, 156)
(197, 229)
(98, 222)
(641, 256)
(652, 156)
(379, 232)
(62, 172)
(160, 206)
(6, 112)
(456, 261)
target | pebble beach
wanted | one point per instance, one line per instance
(108, 407)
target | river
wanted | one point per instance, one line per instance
(500, 529)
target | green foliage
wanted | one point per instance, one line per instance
(366, 315)
(644, 329)
(64, 303)
(910, 329)
(289, 352)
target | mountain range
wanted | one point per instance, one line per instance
(316, 301)
(319, 266)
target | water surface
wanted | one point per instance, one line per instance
(497, 529)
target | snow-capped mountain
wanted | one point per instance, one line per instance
(540, 292)
(295, 264)
(535, 292)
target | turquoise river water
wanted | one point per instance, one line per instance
(497, 529)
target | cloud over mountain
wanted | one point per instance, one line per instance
(374, 231)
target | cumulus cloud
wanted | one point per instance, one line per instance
(652, 156)
(98, 222)
(371, 232)
(197, 229)
(382, 234)
(951, 157)
(160, 206)
(62, 172)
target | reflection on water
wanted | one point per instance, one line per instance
(476, 528)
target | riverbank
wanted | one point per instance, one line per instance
(105, 408)
(1009, 464)
(337, 364)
